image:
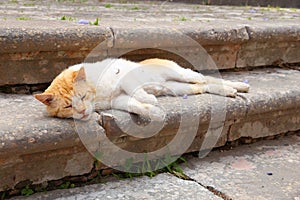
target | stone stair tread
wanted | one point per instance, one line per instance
(29, 140)
(34, 51)
(235, 37)
(25, 124)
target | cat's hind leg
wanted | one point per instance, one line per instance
(219, 89)
(142, 96)
(178, 88)
(239, 86)
(187, 76)
(174, 72)
(135, 90)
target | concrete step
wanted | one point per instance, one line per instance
(35, 148)
(269, 3)
(267, 169)
(36, 44)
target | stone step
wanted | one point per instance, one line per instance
(36, 44)
(267, 169)
(35, 148)
(269, 3)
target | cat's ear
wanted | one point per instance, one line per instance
(44, 98)
(80, 75)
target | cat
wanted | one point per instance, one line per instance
(116, 83)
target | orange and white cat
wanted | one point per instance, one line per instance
(129, 86)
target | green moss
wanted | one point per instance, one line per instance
(67, 185)
(29, 4)
(68, 18)
(96, 22)
(183, 19)
(135, 8)
(13, 1)
(23, 18)
(27, 191)
(108, 5)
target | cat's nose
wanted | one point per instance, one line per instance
(82, 111)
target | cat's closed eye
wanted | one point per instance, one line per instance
(68, 106)
(83, 97)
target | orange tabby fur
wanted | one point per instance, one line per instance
(73, 95)
(58, 96)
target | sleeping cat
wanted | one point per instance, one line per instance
(128, 86)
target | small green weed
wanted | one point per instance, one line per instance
(151, 168)
(27, 191)
(23, 18)
(273, 8)
(96, 22)
(3, 195)
(29, 4)
(67, 185)
(68, 18)
(108, 5)
(183, 19)
(13, 1)
(293, 9)
(135, 8)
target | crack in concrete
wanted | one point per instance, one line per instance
(248, 32)
(211, 189)
(113, 36)
(246, 100)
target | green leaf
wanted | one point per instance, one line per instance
(27, 191)
(96, 22)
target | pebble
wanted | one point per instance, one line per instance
(83, 21)
(253, 11)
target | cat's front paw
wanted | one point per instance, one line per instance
(155, 113)
(242, 87)
(230, 92)
(149, 99)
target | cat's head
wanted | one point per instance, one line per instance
(69, 96)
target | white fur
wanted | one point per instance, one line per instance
(133, 87)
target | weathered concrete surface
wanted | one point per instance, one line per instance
(264, 170)
(37, 45)
(163, 186)
(37, 148)
(274, 3)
